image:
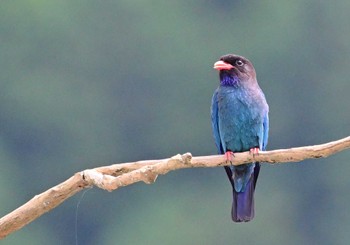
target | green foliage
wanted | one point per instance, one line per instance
(88, 83)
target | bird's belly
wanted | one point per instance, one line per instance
(239, 127)
(239, 139)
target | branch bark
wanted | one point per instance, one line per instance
(118, 175)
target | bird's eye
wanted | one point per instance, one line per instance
(239, 63)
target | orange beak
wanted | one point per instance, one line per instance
(220, 65)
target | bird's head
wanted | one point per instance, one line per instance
(235, 69)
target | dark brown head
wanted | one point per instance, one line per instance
(235, 67)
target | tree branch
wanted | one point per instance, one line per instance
(118, 175)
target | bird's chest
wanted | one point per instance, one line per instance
(240, 119)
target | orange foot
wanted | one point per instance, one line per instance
(229, 155)
(254, 151)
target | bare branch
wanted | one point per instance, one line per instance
(118, 175)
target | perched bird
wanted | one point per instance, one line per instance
(240, 122)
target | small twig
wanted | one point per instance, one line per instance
(118, 175)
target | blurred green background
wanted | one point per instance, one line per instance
(91, 83)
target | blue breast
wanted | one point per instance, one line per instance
(240, 119)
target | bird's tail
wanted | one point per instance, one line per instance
(243, 203)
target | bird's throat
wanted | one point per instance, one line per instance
(227, 80)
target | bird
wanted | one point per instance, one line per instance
(240, 122)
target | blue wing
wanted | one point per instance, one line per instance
(215, 122)
(265, 135)
(216, 132)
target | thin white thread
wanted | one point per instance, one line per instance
(76, 216)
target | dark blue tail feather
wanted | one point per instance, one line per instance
(243, 202)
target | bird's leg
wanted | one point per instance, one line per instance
(254, 151)
(229, 155)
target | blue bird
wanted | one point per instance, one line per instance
(240, 122)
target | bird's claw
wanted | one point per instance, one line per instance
(254, 151)
(229, 155)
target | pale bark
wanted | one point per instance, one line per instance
(118, 175)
